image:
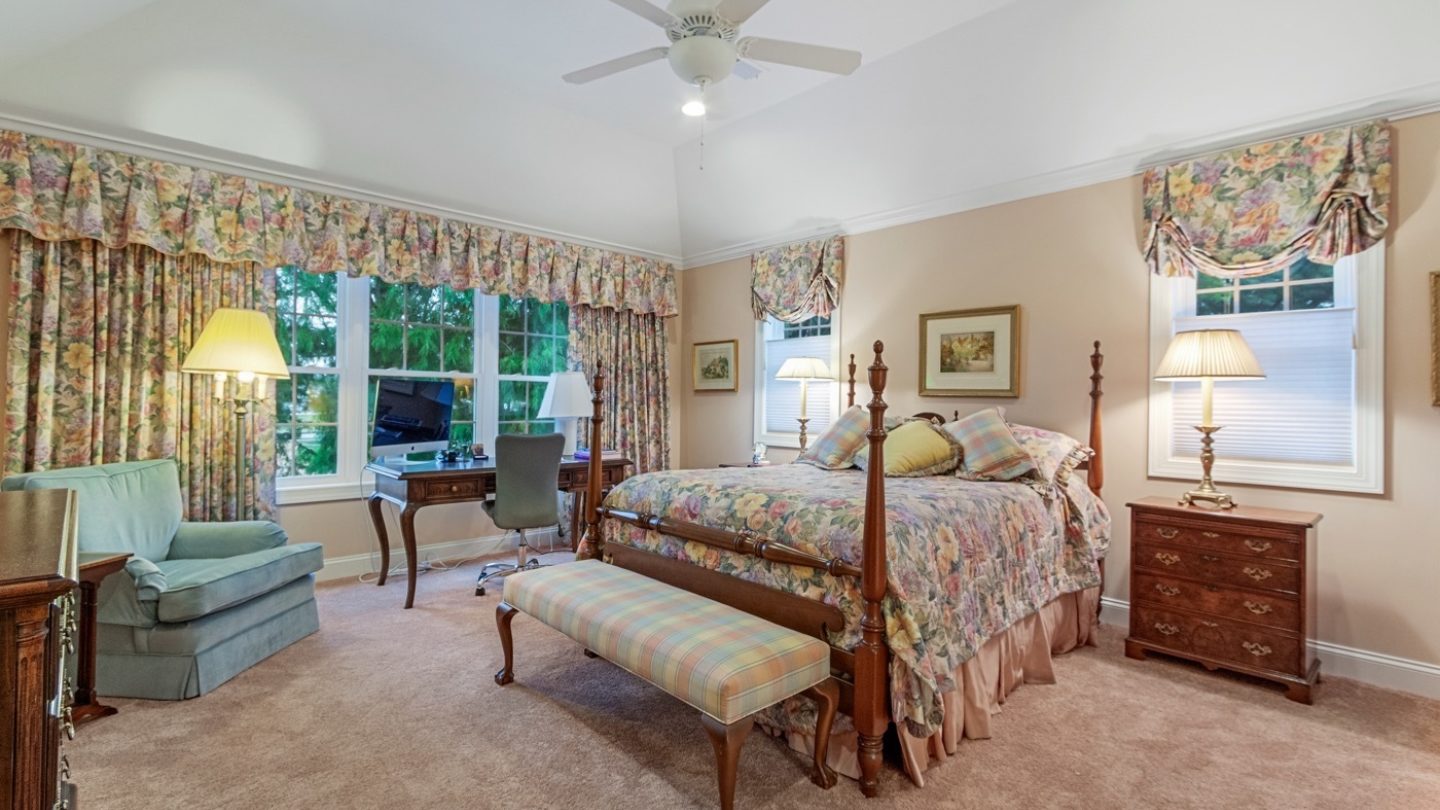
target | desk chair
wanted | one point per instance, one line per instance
(526, 469)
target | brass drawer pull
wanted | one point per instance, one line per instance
(1166, 629)
(1258, 608)
(1258, 546)
(1211, 535)
(1166, 558)
(1167, 532)
(1257, 574)
(454, 487)
(1257, 650)
(1167, 590)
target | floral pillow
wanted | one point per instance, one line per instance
(1056, 455)
(837, 446)
(915, 449)
(990, 452)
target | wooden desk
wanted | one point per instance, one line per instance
(413, 486)
(94, 567)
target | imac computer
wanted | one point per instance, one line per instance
(411, 416)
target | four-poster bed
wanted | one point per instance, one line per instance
(862, 669)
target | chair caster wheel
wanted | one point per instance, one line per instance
(480, 591)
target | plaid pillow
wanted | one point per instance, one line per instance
(990, 451)
(837, 446)
(1055, 454)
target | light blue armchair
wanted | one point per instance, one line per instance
(199, 603)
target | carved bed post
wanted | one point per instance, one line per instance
(594, 545)
(872, 714)
(1096, 474)
(850, 400)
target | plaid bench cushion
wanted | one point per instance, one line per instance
(724, 662)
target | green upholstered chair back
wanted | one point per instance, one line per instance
(129, 506)
(526, 470)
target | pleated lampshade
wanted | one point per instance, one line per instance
(236, 341)
(1220, 354)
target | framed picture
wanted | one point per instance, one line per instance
(715, 366)
(970, 353)
(1435, 339)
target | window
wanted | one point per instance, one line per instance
(427, 333)
(307, 406)
(777, 402)
(1316, 420)
(340, 334)
(534, 342)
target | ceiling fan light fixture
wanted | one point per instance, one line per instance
(702, 59)
(695, 108)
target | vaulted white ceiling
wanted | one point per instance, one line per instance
(457, 105)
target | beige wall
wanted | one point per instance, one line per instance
(1071, 261)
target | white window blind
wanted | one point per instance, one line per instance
(1304, 409)
(781, 398)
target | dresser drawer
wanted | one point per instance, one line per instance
(1270, 609)
(1217, 639)
(438, 490)
(1230, 542)
(1217, 568)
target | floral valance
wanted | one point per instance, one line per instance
(60, 191)
(1255, 210)
(797, 281)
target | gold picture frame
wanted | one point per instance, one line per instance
(715, 366)
(1435, 339)
(971, 353)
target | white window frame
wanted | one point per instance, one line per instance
(1171, 297)
(791, 440)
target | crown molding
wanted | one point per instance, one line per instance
(201, 157)
(1396, 105)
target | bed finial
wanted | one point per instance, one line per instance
(1095, 475)
(872, 713)
(850, 400)
(593, 545)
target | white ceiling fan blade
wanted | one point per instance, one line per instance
(614, 66)
(799, 54)
(653, 13)
(738, 11)
(745, 70)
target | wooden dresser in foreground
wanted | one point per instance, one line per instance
(1232, 589)
(38, 580)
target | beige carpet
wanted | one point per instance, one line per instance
(388, 708)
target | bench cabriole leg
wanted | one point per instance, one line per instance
(827, 698)
(727, 741)
(504, 613)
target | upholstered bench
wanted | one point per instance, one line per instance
(722, 661)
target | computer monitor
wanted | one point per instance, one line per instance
(411, 416)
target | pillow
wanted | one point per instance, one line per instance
(915, 449)
(837, 446)
(990, 451)
(1056, 455)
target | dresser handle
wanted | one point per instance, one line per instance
(1258, 546)
(1258, 608)
(1166, 629)
(1257, 574)
(1166, 558)
(1257, 650)
(454, 487)
(1167, 590)
(1167, 532)
(1211, 535)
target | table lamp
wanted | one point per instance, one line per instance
(1208, 355)
(238, 347)
(567, 398)
(803, 369)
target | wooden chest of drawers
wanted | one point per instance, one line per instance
(1231, 589)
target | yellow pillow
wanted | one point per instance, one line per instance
(915, 449)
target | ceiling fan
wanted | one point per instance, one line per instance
(706, 46)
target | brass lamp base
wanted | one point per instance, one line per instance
(1207, 493)
(803, 437)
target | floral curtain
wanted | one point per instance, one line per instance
(58, 191)
(637, 380)
(797, 281)
(1258, 209)
(97, 335)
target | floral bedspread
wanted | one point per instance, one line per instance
(967, 559)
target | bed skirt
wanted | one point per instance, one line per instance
(1022, 654)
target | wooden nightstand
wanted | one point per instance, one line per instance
(1231, 589)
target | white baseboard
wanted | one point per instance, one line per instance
(354, 565)
(1377, 669)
